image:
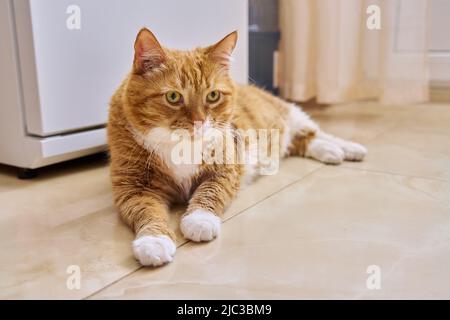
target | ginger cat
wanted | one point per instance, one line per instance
(169, 90)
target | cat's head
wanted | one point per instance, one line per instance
(175, 89)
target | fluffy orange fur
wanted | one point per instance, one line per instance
(145, 185)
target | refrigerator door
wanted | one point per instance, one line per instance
(74, 53)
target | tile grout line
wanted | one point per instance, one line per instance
(393, 173)
(125, 276)
(276, 192)
(111, 283)
(188, 241)
(389, 128)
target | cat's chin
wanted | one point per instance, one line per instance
(200, 225)
(154, 251)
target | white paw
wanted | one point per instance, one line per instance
(154, 251)
(200, 225)
(325, 151)
(353, 151)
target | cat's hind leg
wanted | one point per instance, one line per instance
(352, 151)
(308, 140)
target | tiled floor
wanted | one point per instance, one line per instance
(309, 232)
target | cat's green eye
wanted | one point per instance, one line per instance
(173, 97)
(213, 96)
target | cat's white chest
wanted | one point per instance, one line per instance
(183, 172)
(158, 141)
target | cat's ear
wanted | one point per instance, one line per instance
(148, 53)
(222, 50)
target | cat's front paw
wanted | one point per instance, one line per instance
(200, 225)
(154, 250)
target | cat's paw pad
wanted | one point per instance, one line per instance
(200, 225)
(325, 151)
(154, 250)
(354, 151)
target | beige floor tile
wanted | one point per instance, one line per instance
(315, 239)
(61, 218)
(67, 217)
(425, 273)
(290, 170)
(361, 121)
(432, 117)
(418, 146)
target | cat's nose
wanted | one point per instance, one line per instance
(198, 117)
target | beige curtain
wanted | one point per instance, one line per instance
(327, 51)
